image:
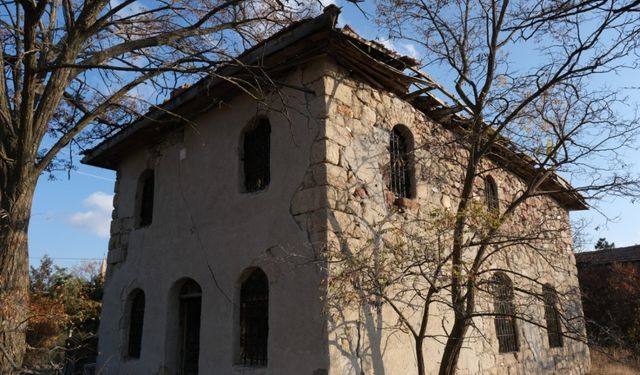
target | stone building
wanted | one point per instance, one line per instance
(610, 285)
(220, 221)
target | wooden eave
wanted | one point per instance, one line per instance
(277, 55)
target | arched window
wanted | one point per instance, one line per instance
(552, 316)
(491, 194)
(256, 152)
(505, 320)
(189, 334)
(144, 199)
(402, 180)
(254, 319)
(136, 323)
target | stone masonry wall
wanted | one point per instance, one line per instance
(356, 162)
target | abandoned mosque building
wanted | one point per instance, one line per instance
(223, 214)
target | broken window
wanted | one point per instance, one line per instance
(505, 320)
(254, 319)
(401, 154)
(491, 194)
(552, 316)
(145, 199)
(136, 322)
(256, 155)
(189, 337)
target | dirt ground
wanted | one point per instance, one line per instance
(606, 361)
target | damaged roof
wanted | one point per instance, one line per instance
(371, 61)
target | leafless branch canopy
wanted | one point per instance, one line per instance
(74, 71)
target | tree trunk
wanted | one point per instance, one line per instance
(420, 355)
(14, 274)
(449, 363)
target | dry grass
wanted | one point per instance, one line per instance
(606, 361)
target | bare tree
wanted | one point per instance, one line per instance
(74, 72)
(545, 115)
(404, 268)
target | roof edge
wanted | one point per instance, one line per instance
(280, 40)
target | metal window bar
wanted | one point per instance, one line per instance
(491, 194)
(505, 322)
(254, 319)
(400, 183)
(552, 317)
(257, 148)
(136, 323)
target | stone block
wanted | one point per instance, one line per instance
(117, 255)
(318, 223)
(408, 204)
(363, 95)
(114, 242)
(446, 201)
(309, 180)
(368, 116)
(308, 200)
(329, 174)
(346, 111)
(332, 153)
(325, 152)
(318, 152)
(360, 192)
(340, 92)
(337, 197)
(339, 134)
(422, 191)
(116, 226)
(127, 223)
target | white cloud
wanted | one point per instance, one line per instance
(387, 43)
(97, 218)
(410, 50)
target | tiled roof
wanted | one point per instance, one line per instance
(620, 254)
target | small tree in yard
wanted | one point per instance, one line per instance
(62, 303)
(74, 72)
(562, 123)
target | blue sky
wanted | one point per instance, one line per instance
(71, 216)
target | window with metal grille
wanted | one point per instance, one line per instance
(491, 194)
(145, 199)
(136, 323)
(401, 162)
(189, 337)
(254, 319)
(505, 320)
(552, 316)
(256, 155)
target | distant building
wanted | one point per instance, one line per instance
(215, 221)
(624, 255)
(610, 284)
